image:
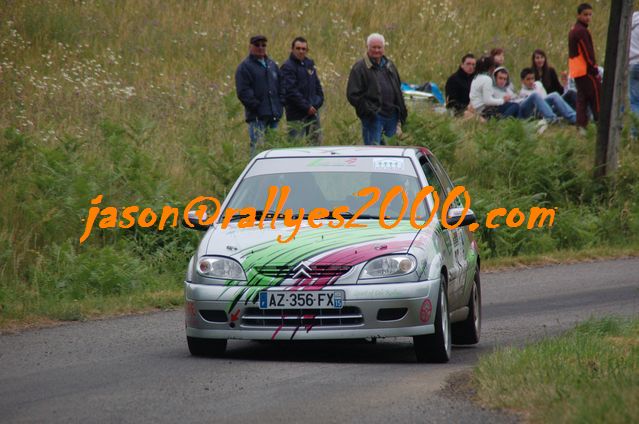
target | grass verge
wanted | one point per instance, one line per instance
(51, 314)
(560, 257)
(590, 374)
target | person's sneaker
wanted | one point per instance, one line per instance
(542, 126)
(582, 131)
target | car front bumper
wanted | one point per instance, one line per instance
(408, 309)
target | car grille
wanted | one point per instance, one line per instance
(348, 315)
(315, 271)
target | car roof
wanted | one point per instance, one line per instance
(336, 151)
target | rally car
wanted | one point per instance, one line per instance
(302, 248)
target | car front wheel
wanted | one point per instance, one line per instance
(436, 347)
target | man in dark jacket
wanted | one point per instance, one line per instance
(583, 66)
(257, 81)
(458, 85)
(374, 90)
(302, 93)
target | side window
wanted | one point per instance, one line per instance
(446, 182)
(432, 179)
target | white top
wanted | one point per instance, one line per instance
(482, 93)
(500, 93)
(539, 89)
(633, 57)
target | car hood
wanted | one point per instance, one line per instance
(254, 246)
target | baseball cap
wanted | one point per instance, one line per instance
(256, 38)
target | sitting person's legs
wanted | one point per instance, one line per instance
(561, 108)
(508, 110)
(533, 103)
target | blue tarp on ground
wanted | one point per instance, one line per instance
(429, 87)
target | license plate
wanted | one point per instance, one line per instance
(296, 300)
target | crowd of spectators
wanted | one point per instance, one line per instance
(484, 87)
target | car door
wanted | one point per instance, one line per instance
(461, 240)
(450, 237)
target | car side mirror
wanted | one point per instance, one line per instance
(454, 215)
(195, 222)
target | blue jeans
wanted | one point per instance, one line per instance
(308, 127)
(570, 97)
(508, 110)
(257, 130)
(561, 108)
(374, 128)
(534, 102)
(633, 87)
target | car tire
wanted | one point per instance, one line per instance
(467, 332)
(436, 347)
(206, 347)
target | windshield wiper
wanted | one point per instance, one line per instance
(258, 215)
(366, 216)
(349, 214)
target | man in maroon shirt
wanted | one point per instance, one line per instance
(583, 66)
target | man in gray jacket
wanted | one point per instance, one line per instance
(374, 90)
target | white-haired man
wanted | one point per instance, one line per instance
(374, 90)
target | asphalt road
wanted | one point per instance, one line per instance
(138, 369)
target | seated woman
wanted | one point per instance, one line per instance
(458, 85)
(482, 93)
(548, 77)
(529, 86)
(527, 106)
(498, 56)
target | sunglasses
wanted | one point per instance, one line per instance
(260, 44)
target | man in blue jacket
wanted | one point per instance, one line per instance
(302, 93)
(257, 81)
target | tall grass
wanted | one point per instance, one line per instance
(135, 100)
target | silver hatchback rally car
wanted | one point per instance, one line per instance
(305, 247)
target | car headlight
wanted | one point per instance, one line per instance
(389, 266)
(219, 267)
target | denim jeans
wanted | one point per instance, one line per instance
(534, 102)
(570, 97)
(561, 108)
(373, 129)
(508, 110)
(633, 87)
(257, 130)
(309, 127)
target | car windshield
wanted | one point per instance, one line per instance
(330, 183)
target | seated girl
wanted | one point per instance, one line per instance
(548, 77)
